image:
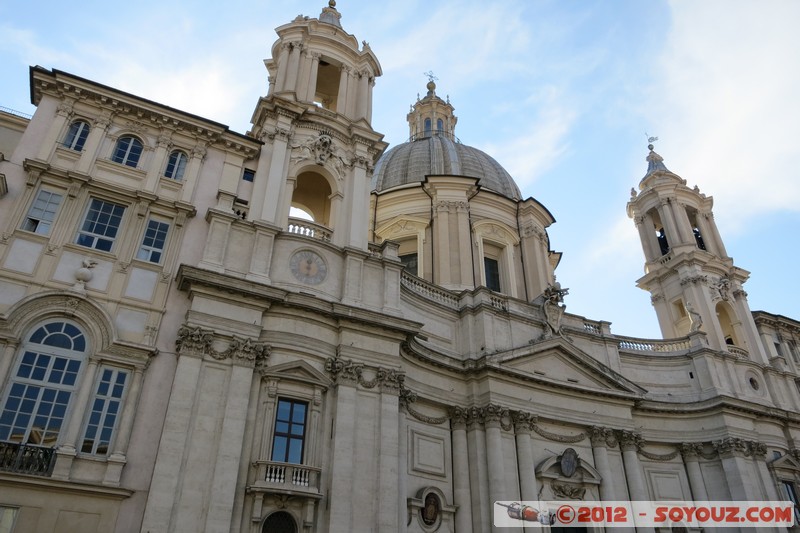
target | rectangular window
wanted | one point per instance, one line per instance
(791, 493)
(793, 351)
(249, 175)
(155, 237)
(290, 431)
(7, 517)
(410, 263)
(105, 412)
(101, 225)
(492, 269)
(42, 212)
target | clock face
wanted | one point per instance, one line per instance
(308, 267)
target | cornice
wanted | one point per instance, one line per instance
(188, 276)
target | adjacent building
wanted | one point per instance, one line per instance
(301, 329)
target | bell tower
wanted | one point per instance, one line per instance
(315, 122)
(693, 283)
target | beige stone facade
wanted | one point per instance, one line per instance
(180, 351)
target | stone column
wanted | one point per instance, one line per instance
(128, 413)
(342, 459)
(690, 451)
(461, 480)
(8, 358)
(341, 99)
(275, 179)
(283, 66)
(671, 229)
(644, 224)
(479, 477)
(629, 444)
(602, 439)
(682, 222)
(192, 172)
(709, 217)
(363, 94)
(66, 452)
(637, 489)
(294, 67)
(441, 269)
(494, 453)
(528, 490)
(388, 474)
(312, 76)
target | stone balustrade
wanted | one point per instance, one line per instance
(309, 229)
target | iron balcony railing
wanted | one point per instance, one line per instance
(26, 459)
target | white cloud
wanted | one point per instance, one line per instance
(726, 105)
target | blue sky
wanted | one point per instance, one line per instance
(560, 92)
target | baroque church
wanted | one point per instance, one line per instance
(181, 351)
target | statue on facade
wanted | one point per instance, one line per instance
(554, 308)
(694, 318)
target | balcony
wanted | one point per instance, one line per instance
(287, 478)
(26, 459)
(307, 228)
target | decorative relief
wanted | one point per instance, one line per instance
(567, 439)
(198, 342)
(656, 298)
(554, 309)
(739, 446)
(659, 457)
(691, 450)
(459, 415)
(523, 422)
(318, 149)
(388, 379)
(64, 109)
(565, 491)
(629, 440)
(694, 280)
(723, 289)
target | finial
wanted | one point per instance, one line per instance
(332, 4)
(650, 140)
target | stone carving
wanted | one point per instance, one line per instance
(523, 422)
(193, 341)
(84, 275)
(739, 446)
(690, 450)
(629, 440)
(723, 288)
(694, 280)
(564, 491)
(567, 439)
(601, 436)
(658, 456)
(198, 342)
(318, 149)
(554, 308)
(430, 512)
(344, 370)
(407, 396)
(459, 415)
(694, 317)
(389, 379)
(568, 462)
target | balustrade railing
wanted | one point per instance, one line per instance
(652, 345)
(428, 290)
(307, 228)
(738, 352)
(26, 459)
(289, 475)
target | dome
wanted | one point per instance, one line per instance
(438, 154)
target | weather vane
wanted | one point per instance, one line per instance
(650, 140)
(430, 75)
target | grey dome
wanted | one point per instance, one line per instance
(438, 154)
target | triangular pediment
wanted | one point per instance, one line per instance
(297, 371)
(786, 462)
(559, 361)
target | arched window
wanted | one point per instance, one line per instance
(76, 135)
(127, 151)
(280, 522)
(176, 165)
(439, 126)
(42, 385)
(427, 127)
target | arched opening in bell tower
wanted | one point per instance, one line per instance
(311, 201)
(698, 235)
(727, 325)
(326, 92)
(661, 234)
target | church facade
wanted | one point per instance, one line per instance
(302, 329)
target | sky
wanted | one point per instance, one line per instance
(563, 93)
